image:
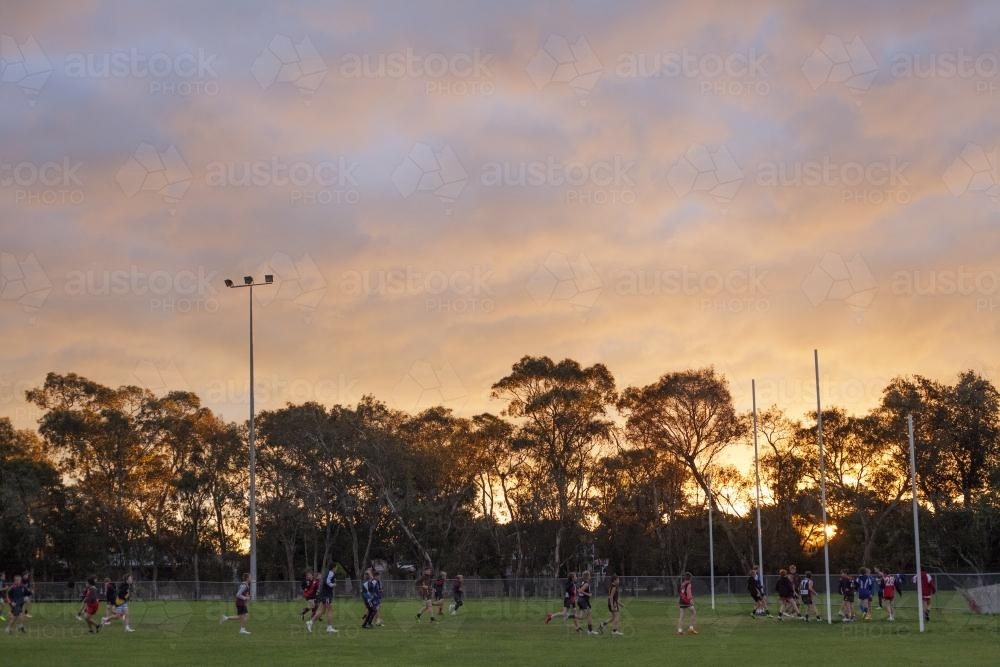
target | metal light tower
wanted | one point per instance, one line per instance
(248, 282)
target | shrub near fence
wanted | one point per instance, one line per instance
(729, 591)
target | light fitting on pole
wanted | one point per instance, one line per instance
(268, 278)
(229, 283)
(248, 280)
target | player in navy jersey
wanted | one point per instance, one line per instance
(16, 595)
(755, 587)
(583, 603)
(242, 601)
(808, 595)
(786, 593)
(29, 593)
(614, 608)
(569, 602)
(377, 585)
(368, 596)
(438, 588)
(327, 587)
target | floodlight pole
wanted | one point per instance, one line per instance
(916, 523)
(248, 282)
(711, 541)
(822, 489)
(756, 466)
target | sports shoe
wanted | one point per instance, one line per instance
(548, 618)
(453, 612)
(309, 625)
(593, 632)
(129, 629)
(819, 620)
(244, 631)
(451, 608)
(692, 631)
(330, 628)
(78, 617)
(579, 629)
(222, 619)
(379, 623)
(618, 632)
(680, 633)
(600, 628)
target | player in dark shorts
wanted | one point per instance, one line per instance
(16, 594)
(242, 611)
(426, 599)
(378, 596)
(586, 612)
(846, 588)
(786, 593)
(569, 602)
(807, 594)
(29, 593)
(755, 587)
(438, 588)
(368, 596)
(614, 607)
(457, 594)
(327, 587)
(685, 603)
(310, 590)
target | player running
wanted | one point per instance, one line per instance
(614, 606)
(424, 589)
(808, 595)
(310, 591)
(16, 595)
(457, 594)
(685, 603)
(242, 598)
(327, 587)
(91, 603)
(120, 608)
(569, 602)
(439, 592)
(378, 597)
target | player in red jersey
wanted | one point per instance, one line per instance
(426, 599)
(888, 587)
(242, 611)
(928, 589)
(91, 603)
(685, 602)
(310, 590)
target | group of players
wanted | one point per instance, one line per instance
(432, 594)
(798, 596)
(116, 597)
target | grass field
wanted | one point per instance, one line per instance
(493, 632)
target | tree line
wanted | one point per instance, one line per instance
(571, 472)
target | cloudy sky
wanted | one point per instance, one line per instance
(440, 188)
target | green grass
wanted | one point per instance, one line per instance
(492, 632)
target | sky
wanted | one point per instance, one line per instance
(440, 188)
